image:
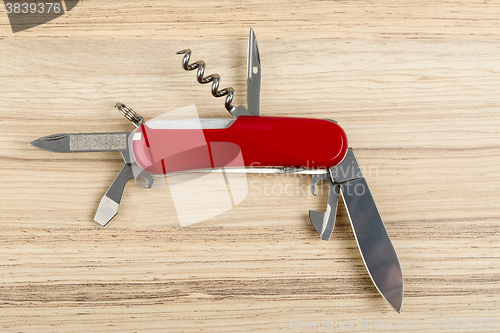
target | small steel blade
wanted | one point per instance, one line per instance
(254, 76)
(56, 143)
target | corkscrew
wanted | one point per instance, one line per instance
(253, 80)
(214, 78)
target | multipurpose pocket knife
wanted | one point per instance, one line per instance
(162, 148)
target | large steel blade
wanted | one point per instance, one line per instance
(374, 243)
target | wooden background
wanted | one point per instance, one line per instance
(416, 86)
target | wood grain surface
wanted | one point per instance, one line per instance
(415, 85)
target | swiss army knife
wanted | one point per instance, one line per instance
(267, 144)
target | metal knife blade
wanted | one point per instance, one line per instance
(374, 243)
(254, 76)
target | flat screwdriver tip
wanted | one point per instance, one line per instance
(106, 211)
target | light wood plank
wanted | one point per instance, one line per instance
(415, 86)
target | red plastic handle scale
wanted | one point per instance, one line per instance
(248, 142)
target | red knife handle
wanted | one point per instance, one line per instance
(249, 142)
